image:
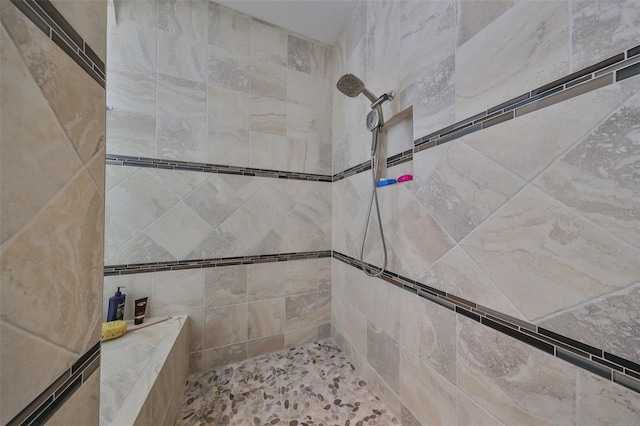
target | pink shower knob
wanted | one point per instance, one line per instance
(405, 178)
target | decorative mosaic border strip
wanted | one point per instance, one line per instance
(609, 71)
(40, 410)
(125, 160)
(140, 268)
(47, 18)
(594, 360)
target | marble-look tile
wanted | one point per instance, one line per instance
(182, 56)
(301, 276)
(265, 281)
(535, 248)
(417, 240)
(515, 382)
(355, 28)
(131, 133)
(602, 29)
(267, 151)
(215, 200)
(25, 377)
(384, 306)
(131, 91)
(178, 230)
(266, 318)
(212, 246)
(470, 413)
(427, 37)
(227, 146)
(136, 286)
(180, 98)
(63, 83)
(306, 310)
(131, 26)
(72, 275)
(526, 148)
(532, 39)
(429, 331)
(89, 20)
(598, 176)
(465, 189)
(227, 109)
(257, 217)
(299, 54)
(228, 69)
(473, 16)
(455, 273)
(610, 323)
(407, 418)
(432, 96)
(603, 402)
(324, 273)
(307, 335)
(180, 139)
(97, 168)
(430, 397)
(196, 331)
(225, 286)
(309, 90)
(225, 325)
(140, 249)
(216, 357)
(149, 193)
(176, 292)
(187, 18)
(269, 60)
(308, 123)
(268, 115)
(355, 329)
(26, 162)
(265, 345)
(229, 29)
(383, 354)
(83, 407)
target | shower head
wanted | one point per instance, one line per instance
(352, 86)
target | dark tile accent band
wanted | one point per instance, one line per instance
(42, 408)
(47, 18)
(594, 360)
(577, 83)
(125, 160)
(141, 268)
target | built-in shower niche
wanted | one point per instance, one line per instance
(396, 148)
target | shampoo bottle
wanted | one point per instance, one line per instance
(116, 306)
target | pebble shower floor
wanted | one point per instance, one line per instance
(313, 384)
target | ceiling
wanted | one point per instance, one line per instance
(320, 20)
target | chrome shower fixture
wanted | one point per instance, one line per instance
(352, 86)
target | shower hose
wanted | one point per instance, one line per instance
(374, 197)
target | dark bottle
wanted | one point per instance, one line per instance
(116, 306)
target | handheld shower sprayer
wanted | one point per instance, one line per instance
(352, 86)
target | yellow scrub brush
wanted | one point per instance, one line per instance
(113, 329)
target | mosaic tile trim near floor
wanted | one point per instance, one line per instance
(47, 18)
(140, 268)
(597, 361)
(51, 399)
(313, 384)
(125, 160)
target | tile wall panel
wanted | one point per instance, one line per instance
(52, 208)
(571, 149)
